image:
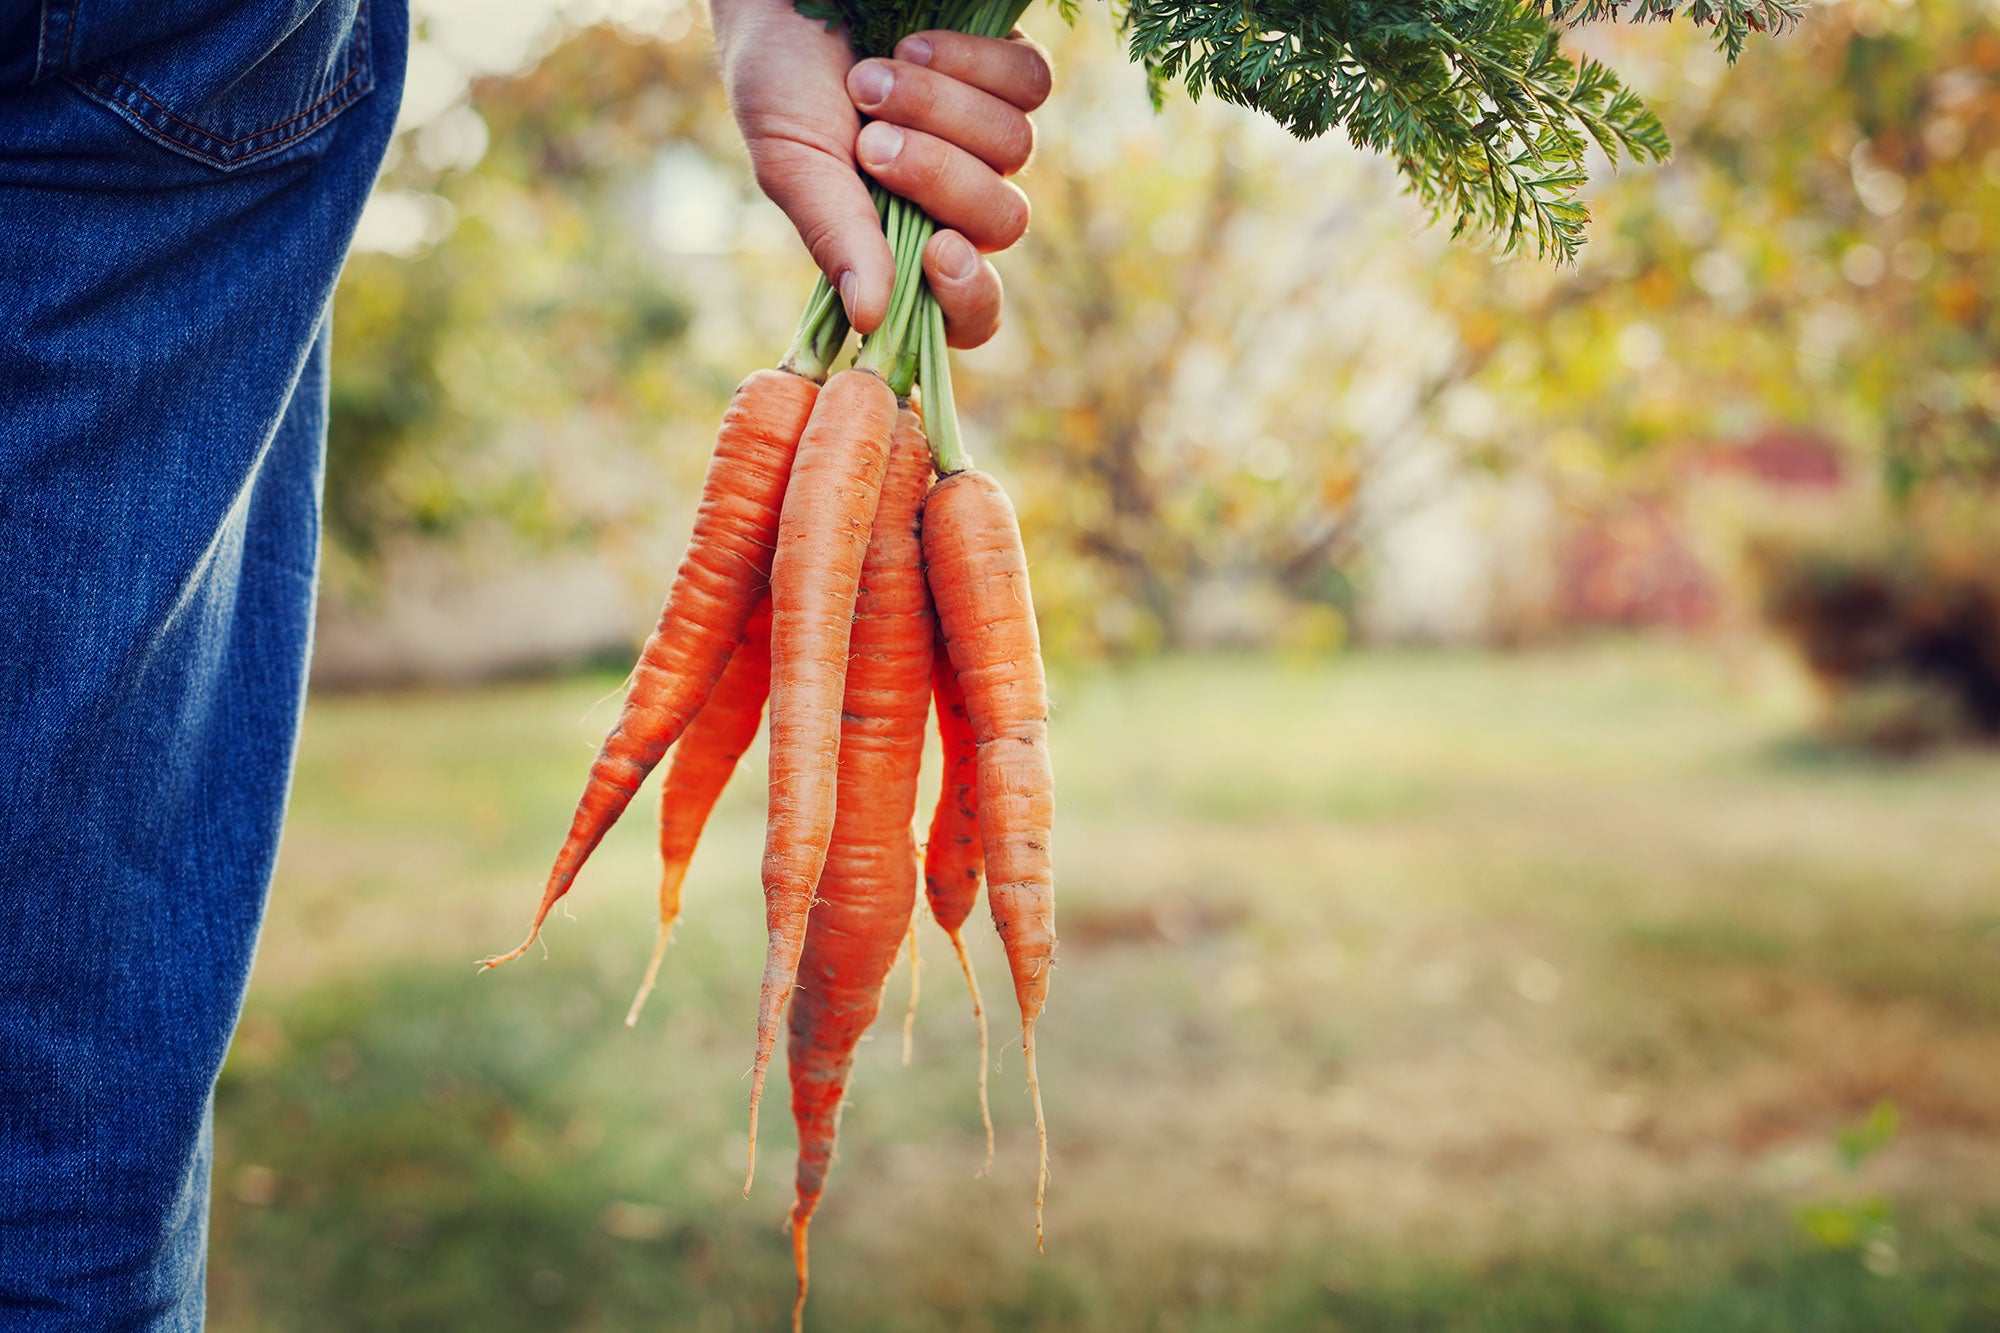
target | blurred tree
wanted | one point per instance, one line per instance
(515, 349)
(1188, 325)
(1216, 338)
(1822, 254)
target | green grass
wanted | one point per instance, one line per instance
(1403, 992)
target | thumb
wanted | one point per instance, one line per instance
(828, 203)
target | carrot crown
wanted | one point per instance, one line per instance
(909, 349)
(821, 334)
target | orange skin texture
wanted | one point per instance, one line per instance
(954, 861)
(708, 754)
(979, 584)
(953, 858)
(702, 764)
(823, 537)
(720, 580)
(867, 891)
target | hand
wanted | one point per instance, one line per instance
(947, 121)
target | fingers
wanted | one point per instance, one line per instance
(835, 217)
(992, 129)
(1013, 69)
(967, 289)
(950, 184)
(785, 75)
(948, 118)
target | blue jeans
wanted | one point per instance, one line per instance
(178, 185)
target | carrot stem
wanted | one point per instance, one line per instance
(821, 333)
(913, 331)
(891, 351)
(940, 407)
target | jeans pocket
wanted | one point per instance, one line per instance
(249, 85)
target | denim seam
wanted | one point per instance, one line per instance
(177, 142)
(43, 67)
(225, 143)
(359, 67)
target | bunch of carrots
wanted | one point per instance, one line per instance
(848, 567)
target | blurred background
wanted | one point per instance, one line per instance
(1529, 840)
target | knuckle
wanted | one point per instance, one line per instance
(1017, 147)
(1038, 77)
(948, 48)
(822, 238)
(976, 325)
(915, 97)
(1011, 216)
(777, 175)
(768, 174)
(923, 165)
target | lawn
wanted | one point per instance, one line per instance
(1566, 990)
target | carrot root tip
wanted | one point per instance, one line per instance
(750, 1168)
(985, 1053)
(801, 1222)
(660, 942)
(1041, 1132)
(492, 961)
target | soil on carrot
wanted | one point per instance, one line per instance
(1559, 990)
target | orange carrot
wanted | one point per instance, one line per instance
(979, 582)
(868, 888)
(702, 765)
(953, 859)
(822, 539)
(720, 579)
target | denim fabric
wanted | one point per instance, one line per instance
(178, 185)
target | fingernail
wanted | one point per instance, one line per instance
(845, 285)
(879, 143)
(956, 259)
(916, 50)
(871, 82)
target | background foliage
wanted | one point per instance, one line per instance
(1475, 912)
(1225, 349)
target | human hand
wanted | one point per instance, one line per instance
(947, 122)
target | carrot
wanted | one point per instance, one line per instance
(721, 577)
(979, 582)
(869, 886)
(953, 860)
(822, 539)
(702, 765)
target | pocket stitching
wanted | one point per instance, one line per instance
(42, 63)
(231, 143)
(360, 67)
(176, 142)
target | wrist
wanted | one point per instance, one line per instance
(735, 20)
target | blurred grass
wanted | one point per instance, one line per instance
(1406, 992)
